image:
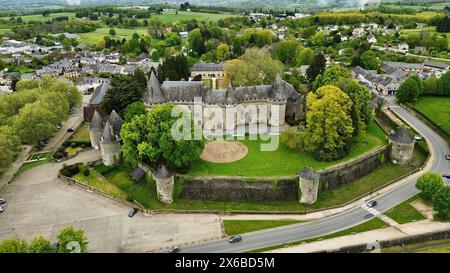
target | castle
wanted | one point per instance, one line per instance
(280, 95)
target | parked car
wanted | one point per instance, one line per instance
(70, 130)
(2, 201)
(445, 175)
(235, 239)
(174, 249)
(447, 157)
(418, 137)
(58, 126)
(132, 212)
(40, 146)
(371, 203)
(2, 209)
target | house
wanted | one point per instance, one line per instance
(184, 34)
(403, 47)
(421, 25)
(420, 49)
(371, 39)
(358, 32)
(212, 74)
(94, 103)
(303, 70)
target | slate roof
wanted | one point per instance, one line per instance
(401, 135)
(115, 121)
(309, 173)
(137, 174)
(99, 93)
(96, 123)
(201, 66)
(184, 91)
(436, 65)
(107, 137)
(162, 172)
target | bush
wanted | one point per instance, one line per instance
(73, 145)
(429, 184)
(58, 155)
(70, 170)
(86, 172)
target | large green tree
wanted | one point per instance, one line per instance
(444, 84)
(35, 123)
(286, 51)
(304, 56)
(328, 120)
(441, 203)
(40, 245)
(196, 42)
(316, 68)
(135, 109)
(429, 183)
(331, 76)
(369, 60)
(13, 245)
(408, 91)
(149, 138)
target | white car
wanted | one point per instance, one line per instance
(2, 209)
(2, 201)
(418, 137)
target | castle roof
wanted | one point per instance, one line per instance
(107, 136)
(401, 135)
(162, 172)
(96, 123)
(201, 66)
(115, 121)
(99, 93)
(309, 173)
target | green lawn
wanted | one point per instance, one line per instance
(73, 151)
(82, 133)
(435, 108)
(29, 165)
(233, 227)
(172, 17)
(97, 181)
(283, 161)
(92, 38)
(404, 212)
(373, 224)
(39, 155)
(4, 30)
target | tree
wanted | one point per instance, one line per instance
(45, 13)
(429, 183)
(295, 140)
(304, 56)
(69, 239)
(328, 120)
(255, 67)
(443, 87)
(430, 86)
(149, 138)
(13, 245)
(112, 32)
(286, 51)
(9, 145)
(223, 52)
(124, 90)
(155, 28)
(135, 109)
(143, 46)
(418, 82)
(316, 68)
(40, 245)
(34, 123)
(369, 60)
(441, 203)
(331, 76)
(196, 42)
(408, 91)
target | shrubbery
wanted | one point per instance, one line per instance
(70, 170)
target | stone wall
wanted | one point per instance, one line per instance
(237, 189)
(340, 175)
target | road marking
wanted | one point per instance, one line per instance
(371, 210)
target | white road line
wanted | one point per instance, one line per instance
(371, 210)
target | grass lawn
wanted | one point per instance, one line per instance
(92, 38)
(435, 108)
(82, 133)
(172, 17)
(73, 151)
(29, 165)
(373, 224)
(40, 18)
(145, 192)
(404, 212)
(431, 30)
(283, 161)
(233, 227)
(5, 30)
(97, 181)
(39, 155)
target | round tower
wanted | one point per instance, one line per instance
(309, 185)
(402, 146)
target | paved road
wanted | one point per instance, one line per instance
(380, 48)
(346, 219)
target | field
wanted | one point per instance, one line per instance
(40, 18)
(283, 161)
(233, 227)
(92, 38)
(171, 17)
(404, 212)
(437, 109)
(82, 133)
(430, 30)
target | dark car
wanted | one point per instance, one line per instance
(371, 203)
(132, 212)
(70, 130)
(40, 146)
(235, 239)
(447, 157)
(445, 175)
(2, 201)
(174, 249)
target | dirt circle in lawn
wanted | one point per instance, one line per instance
(223, 151)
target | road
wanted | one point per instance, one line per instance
(380, 48)
(346, 219)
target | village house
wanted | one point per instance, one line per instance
(403, 47)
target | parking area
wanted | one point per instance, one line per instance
(39, 204)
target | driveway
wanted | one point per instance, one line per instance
(40, 204)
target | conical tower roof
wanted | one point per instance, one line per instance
(115, 121)
(107, 137)
(96, 123)
(154, 93)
